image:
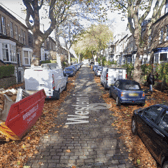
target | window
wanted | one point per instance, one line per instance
(163, 56)
(156, 56)
(9, 52)
(5, 52)
(161, 35)
(11, 29)
(152, 112)
(166, 8)
(149, 41)
(16, 32)
(21, 36)
(26, 57)
(166, 38)
(3, 25)
(24, 37)
(164, 122)
(0, 26)
(13, 53)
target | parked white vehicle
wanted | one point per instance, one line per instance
(45, 77)
(110, 75)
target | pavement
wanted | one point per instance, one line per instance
(83, 137)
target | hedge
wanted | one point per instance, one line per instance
(6, 71)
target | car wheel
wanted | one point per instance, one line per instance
(118, 101)
(57, 95)
(134, 126)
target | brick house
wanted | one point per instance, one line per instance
(14, 47)
(159, 39)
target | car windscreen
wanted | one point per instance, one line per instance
(129, 86)
(68, 69)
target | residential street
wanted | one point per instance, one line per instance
(83, 136)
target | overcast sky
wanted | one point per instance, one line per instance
(16, 7)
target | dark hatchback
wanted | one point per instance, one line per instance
(127, 91)
(151, 124)
(69, 71)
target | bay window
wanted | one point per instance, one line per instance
(8, 51)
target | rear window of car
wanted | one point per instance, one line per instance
(68, 69)
(129, 86)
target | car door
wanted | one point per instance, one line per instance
(162, 135)
(148, 129)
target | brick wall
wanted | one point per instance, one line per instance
(6, 82)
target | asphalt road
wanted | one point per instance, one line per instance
(83, 136)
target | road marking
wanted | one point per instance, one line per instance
(81, 110)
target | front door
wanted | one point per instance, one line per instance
(18, 59)
(19, 76)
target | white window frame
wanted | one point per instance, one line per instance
(11, 47)
(24, 37)
(30, 51)
(3, 25)
(166, 37)
(16, 32)
(11, 29)
(0, 25)
(161, 35)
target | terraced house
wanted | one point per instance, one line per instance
(14, 43)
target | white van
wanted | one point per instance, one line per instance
(52, 81)
(110, 75)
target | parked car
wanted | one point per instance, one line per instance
(110, 75)
(69, 71)
(98, 71)
(74, 68)
(94, 67)
(127, 91)
(151, 124)
(52, 81)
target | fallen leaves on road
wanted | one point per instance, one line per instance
(16, 153)
(138, 153)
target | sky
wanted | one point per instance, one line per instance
(16, 7)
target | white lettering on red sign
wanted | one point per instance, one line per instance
(30, 112)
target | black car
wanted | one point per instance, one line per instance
(151, 124)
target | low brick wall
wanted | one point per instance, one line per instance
(6, 82)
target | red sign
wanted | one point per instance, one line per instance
(23, 114)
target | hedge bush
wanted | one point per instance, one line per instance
(146, 68)
(162, 70)
(6, 71)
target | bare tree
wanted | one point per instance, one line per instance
(32, 9)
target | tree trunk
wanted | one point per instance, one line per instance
(36, 51)
(69, 58)
(137, 69)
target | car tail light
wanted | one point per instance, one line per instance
(143, 94)
(126, 76)
(107, 76)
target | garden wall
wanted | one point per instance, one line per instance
(6, 82)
